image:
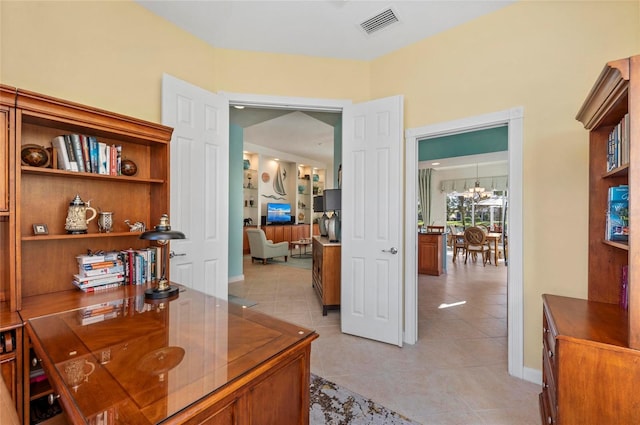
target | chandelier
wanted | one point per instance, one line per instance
(476, 188)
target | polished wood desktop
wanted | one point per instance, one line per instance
(192, 359)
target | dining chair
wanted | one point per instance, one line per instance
(458, 245)
(475, 242)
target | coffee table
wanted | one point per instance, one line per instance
(302, 243)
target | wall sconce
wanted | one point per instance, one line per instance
(162, 234)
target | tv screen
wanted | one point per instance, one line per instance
(278, 213)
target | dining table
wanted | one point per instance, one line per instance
(494, 238)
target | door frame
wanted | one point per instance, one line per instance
(513, 118)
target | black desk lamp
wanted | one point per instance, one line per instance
(162, 234)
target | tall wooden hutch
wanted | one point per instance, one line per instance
(36, 269)
(591, 355)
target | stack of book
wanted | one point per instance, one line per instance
(97, 272)
(617, 225)
(77, 152)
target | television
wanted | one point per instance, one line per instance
(278, 213)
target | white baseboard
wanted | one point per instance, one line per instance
(236, 278)
(532, 375)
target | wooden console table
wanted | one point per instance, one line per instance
(194, 359)
(326, 272)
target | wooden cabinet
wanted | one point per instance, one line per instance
(4, 158)
(430, 253)
(326, 271)
(286, 233)
(10, 362)
(38, 266)
(591, 357)
(590, 375)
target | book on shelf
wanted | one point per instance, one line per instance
(117, 279)
(97, 258)
(82, 153)
(84, 141)
(71, 152)
(618, 144)
(624, 288)
(59, 145)
(77, 151)
(617, 220)
(93, 154)
(102, 271)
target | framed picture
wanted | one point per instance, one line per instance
(40, 229)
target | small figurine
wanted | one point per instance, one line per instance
(138, 226)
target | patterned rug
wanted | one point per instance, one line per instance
(334, 405)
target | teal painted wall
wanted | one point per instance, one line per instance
(337, 151)
(236, 136)
(472, 143)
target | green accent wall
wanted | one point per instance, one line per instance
(236, 141)
(463, 144)
(337, 151)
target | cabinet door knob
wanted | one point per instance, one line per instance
(51, 398)
(549, 420)
(550, 353)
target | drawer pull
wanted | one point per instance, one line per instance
(550, 353)
(549, 420)
(546, 330)
(51, 398)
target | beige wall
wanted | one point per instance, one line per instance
(540, 55)
(543, 56)
(112, 54)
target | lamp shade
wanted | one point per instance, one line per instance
(332, 199)
(318, 203)
(162, 232)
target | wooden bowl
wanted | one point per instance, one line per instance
(35, 156)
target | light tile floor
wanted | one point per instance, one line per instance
(455, 374)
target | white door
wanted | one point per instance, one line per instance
(199, 184)
(371, 304)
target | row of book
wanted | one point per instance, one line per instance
(617, 220)
(618, 145)
(77, 152)
(112, 269)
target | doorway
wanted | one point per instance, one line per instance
(513, 118)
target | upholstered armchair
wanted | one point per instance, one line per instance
(263, 249)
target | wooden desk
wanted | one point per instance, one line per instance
(192, 359)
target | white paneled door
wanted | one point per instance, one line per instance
(199, 184)
(372, 256)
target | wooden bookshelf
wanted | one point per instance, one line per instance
(43, 265)
(592, 347)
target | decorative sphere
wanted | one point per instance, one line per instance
(128, 167)
(34, 155)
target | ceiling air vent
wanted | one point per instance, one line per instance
(380, 21)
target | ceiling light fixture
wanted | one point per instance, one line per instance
(238, 106)
(476, 188)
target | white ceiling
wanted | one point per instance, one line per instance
(323, 28)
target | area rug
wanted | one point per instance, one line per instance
(301, 263)
(333, 405)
